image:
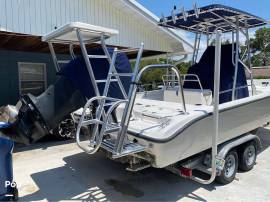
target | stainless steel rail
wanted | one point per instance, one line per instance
(215, 113)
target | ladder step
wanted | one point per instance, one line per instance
(97, 56)
(115, 99)
(105, 80)
(91, 121)
(112, 128)
(121, 74)
(63, 61)
(128, 50)
(128, 148)
(110, 103)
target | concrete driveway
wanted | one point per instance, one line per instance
(55, 171)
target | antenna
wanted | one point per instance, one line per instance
(174, 17)
(163, 19)
(184, 13)
(196, 10)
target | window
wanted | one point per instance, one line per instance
(32, 78)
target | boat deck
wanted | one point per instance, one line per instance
(160, 119)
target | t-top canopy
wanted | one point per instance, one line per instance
(67, 33)
(210, 18)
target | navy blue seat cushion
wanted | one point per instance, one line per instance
(205, 71)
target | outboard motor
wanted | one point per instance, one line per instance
(39, 116)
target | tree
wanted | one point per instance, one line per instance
(154, 77)
(260, 47)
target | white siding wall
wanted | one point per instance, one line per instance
(38, 17)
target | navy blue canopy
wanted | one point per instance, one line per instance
(212, 17)
(77, 72)
(204, 69)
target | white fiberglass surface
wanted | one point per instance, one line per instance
(160, 119)
(67, 32)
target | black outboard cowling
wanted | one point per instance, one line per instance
(38, 116)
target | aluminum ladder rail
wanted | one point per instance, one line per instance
(102, 117)
(118, 149)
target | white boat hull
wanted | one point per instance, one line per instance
(236, 118)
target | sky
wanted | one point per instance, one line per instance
(259, 8)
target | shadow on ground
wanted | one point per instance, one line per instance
(95, 178)
(44, 143)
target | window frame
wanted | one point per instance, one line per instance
(32, 63)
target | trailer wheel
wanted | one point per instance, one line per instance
(247, 156)
(230, 168)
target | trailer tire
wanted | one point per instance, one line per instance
(247, 156)
(230, 168)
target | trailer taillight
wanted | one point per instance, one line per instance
(185, 172)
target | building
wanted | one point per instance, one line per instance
(25, 62)
(262, 72)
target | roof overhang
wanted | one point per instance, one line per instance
(31, 43)
(152, 18)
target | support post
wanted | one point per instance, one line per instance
(236, 59)
(194, 50)
(56, 65)
(87, 63)
(249, 63)
(215, 112)
(129, 106)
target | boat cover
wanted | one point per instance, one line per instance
(76, 71)
(205, 71)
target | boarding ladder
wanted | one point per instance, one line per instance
(103, 125)
(82, 34)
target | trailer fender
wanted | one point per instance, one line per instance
(224, 148)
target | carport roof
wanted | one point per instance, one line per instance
(31, 43)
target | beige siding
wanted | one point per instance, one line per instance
(38, 17)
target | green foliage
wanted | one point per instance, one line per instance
(261, 77)
(260, 47)
(154, 76)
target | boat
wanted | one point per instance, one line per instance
(203, 120)
(194, 114)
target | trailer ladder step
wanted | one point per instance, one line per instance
(105, 80)
(128, 148)
(121, 74)
(91, 121)
(63, 61)
(110, 128)
(97, 56)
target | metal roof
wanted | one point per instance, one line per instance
(147, 14)
(212, 17)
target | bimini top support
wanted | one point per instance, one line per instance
(210, 18)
